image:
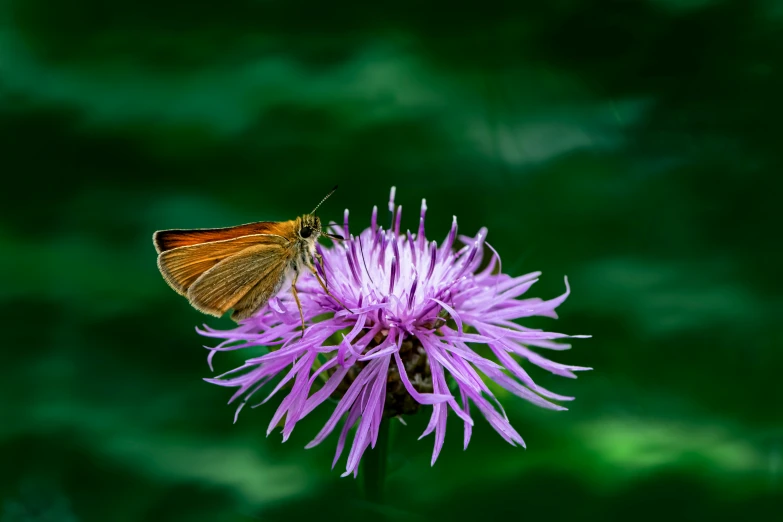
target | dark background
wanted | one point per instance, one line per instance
(634, 146)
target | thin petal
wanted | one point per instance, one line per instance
(453, 313)
(421, 398)
(350, 421)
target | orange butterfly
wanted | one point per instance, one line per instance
(240, 267)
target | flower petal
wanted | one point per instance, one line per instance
(421, 398)
(453, 313)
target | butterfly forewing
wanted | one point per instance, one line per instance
(246, 280)
(170, 239)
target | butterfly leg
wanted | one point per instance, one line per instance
(320, 282)
(296, 298)
(320, 259)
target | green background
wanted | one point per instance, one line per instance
(634, 146)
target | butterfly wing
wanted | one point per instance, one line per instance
(181, 266)
(170, 239)
(244, 281)
(259, 295)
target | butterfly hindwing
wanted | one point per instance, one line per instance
(246, 280)
(182, 266)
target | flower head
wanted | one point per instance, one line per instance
(414, 314)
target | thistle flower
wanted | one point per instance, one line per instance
(416, 311)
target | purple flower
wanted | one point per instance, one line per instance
(417, 312)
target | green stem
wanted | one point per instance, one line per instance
(375, 465)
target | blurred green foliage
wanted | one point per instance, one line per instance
(633, 146)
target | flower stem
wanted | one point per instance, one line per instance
(375, 465)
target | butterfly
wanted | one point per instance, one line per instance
(241, 267)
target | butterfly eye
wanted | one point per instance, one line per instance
(306, 232)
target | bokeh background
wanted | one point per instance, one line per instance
(634, 146)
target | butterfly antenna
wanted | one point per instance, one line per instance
(325, 198)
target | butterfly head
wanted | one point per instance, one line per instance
(309, 227)
(310, 224)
